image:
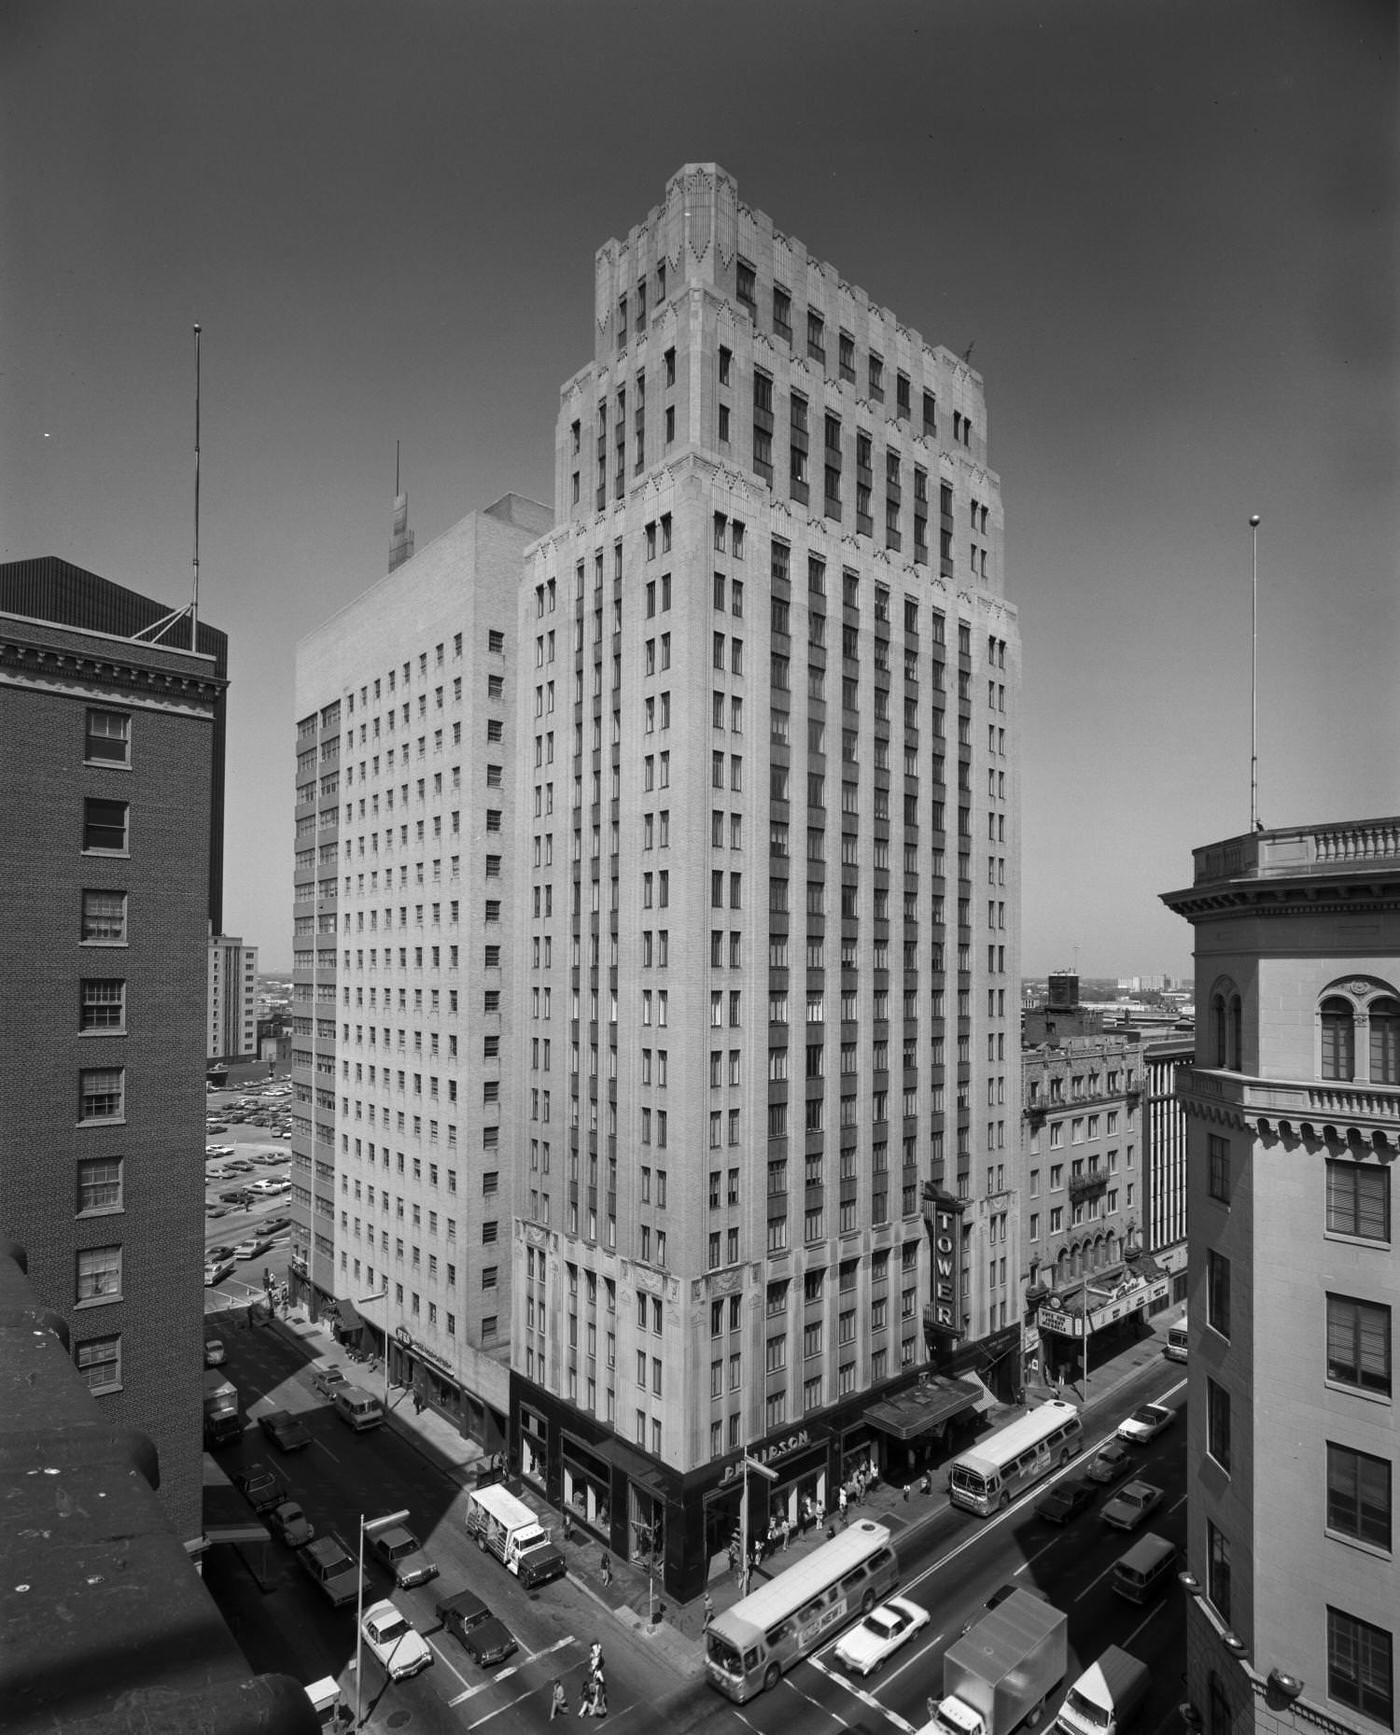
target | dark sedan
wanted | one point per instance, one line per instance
(286, 1431)
(1067, 1501)
(482, 1636)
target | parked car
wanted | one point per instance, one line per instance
(261, 1486)
(1067, 1500)
(216, 1270)
(400, 1550)
(286, 1431)
(214, 1212)
(482, 1636)
(400, 1649)
(1146, 1423)
(218, 1150)
(1131, 1504)
(326, 1375)
(216, 1127)
(234, 1196)
(275, 1225)
(215, 1355)
(290, 1524)
(1111, 1463)
(869, 1645)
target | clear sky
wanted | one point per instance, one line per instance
(1168, 227)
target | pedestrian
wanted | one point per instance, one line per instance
(559, 1702)
(784, 1531)
(605, 1567)
(418, 1402)
(568, 1526)
(906, 1493)
(595, 1658)
(931, 1706)
(841, 1505)
(709, 1610)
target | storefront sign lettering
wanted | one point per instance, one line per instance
(770, 1453)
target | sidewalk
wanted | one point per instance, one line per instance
(676, 1631)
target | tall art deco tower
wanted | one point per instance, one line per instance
(767, 954)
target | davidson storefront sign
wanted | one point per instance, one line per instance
(772, 1453)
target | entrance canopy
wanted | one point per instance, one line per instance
(924, 1407)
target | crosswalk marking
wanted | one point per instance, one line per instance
(514, 1668)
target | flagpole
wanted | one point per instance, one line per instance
(1254, 675)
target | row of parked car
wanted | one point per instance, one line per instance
(329, 1562)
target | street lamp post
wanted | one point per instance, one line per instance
(366, 1524)
(771, 1476)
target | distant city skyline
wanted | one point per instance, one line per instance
(1164, 235)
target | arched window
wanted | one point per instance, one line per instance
(1338, 1038)
(1236, 1061)
(1385, 1041)
(1217, 1026)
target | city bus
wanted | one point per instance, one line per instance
(748, 1646)
(1175, 1347)
(998, 1468)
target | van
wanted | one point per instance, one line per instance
(361, 1409)
(1144, 1570)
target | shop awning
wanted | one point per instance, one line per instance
(349, 1317)
(635, 1467)
(925, 1407)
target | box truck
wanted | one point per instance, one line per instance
(222, 1422)
(506, 1527)
(1106, 1697)
(998, 1675)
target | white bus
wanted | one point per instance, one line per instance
(1175, 1347)
(990, 1476)
(749, 1646)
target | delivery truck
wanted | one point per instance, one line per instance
(222, 1422)
(506, 1527)
(1106, 1697)
(998, 1675)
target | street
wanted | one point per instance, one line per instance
(951, 1562)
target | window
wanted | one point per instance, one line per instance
(1338, 1039)
(1384, 1017)
(103, 1003)
(1218, 1292)
(100, 1093)
(99, 1361)
(104, 917)
(1360, 1666)
(1358, 1495)
(99, 1185)
(1358, 1200)
(108, 737)
(104, 827)
(1218, 1571)
(1218, 1150)
(1358, 1343)
(1218, 1424)
(99, 1273)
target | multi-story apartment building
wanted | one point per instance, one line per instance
(1293, 1112)
(769, 796)
(1084, 1194)
(408, 855)
(1164, 1184)
(105, 884)
(233, 999)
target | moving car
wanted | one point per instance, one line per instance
(998, 1597)
(1146, 1423)
(874, 1640)
(484, 1638)
(234, 1196)
(215, 1355)
(400, 1550)
(1066, 1501)
(1131, 1504)
(216, 1127)
(218, 1150)
(261, 1486)
(219, 1250)
(1110, 1463)
(290, 1524)
(216, 1270)
(400, 1649)
(216, 1211)
(250, 1248)
(286, 1431)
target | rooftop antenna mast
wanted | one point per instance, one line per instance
(194, 600)
(1254, 675)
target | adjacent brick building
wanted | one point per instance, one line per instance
(105, 895)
